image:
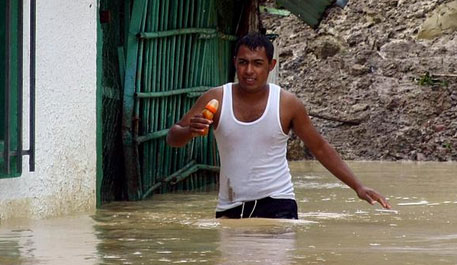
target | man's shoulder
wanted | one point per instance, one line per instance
(214, 90)
(290, 103)
(283, 90)
(213, 93)
(287, 96)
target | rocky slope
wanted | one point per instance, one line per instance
(373, 88)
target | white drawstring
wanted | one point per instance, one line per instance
(253, 208)
(242, 210)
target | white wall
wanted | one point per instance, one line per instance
(65, 176)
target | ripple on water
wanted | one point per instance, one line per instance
(387, 211)
(423, 202)
(317, 185)
(324, 215)
(307, 177)
(206, 224)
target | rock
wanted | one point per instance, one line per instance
(399, 48)
(297, 150)
(420, 157)
(328, 49)
(439, 127)
(442, 21)
(360, 107)
(325, 47)
(401, 2)
(358, 69)
(287, 53)
(355, 38)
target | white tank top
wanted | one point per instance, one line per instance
(253, 154)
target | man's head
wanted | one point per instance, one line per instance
(255, 41)
(253, 61)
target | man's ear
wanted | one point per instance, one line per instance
(272, 65)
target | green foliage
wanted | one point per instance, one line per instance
(425, 80)
(447, 145)
(428, 80)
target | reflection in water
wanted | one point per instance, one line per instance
(169, 231)
(257, 241)
(335, 227)
(69, 240)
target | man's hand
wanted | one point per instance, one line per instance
(198, 124)
(372, 196)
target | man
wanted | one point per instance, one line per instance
(251, 128)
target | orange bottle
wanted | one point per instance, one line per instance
(209, 111)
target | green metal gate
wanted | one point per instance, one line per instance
(10, 166)
(176, 50)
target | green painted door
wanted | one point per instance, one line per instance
(175, 50)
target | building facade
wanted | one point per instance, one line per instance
(65, 123)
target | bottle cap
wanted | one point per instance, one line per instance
(212, 105)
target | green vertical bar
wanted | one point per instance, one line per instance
(151, 112)
(130, 148)
(189, 150)
(145, 119)
(173, 106)
(192, 184)
(189, 48)
(159, 85)
(176, 43)
(182, 51)
(138, 87)
(99, 109)
(192, 65)
(162, 84)
(205, 57)
(154, 87)
(168, 62)
(166, 108)
(200, 65)
(165, 76)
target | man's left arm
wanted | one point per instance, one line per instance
(301, 124)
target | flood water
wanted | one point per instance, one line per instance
(334, 227)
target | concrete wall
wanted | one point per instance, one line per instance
(65, 176)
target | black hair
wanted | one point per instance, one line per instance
(253, 41)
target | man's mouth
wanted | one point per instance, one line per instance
(250, 80)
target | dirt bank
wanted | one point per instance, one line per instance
(363, 76)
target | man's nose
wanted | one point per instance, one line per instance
(249, 68)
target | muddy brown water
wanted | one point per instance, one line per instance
(334, 226)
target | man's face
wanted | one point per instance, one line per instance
(252, 67)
